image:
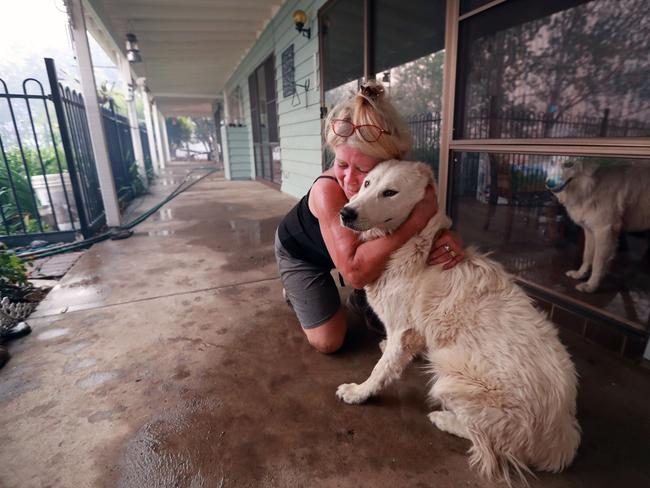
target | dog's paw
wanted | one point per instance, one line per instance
(351, 393)
(576, 274)
(586, 287)
(382, 345)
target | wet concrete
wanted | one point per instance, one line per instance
(177, 364)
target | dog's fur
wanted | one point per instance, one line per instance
(502, 377)
(604, 199)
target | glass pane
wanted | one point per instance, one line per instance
(559, 68)
(501, 203)
(341, 29)
(469, 5)
(409, 57)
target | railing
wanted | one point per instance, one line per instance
(522, 124)
(148, 165)
(120, 151)
(425, 136)
(37, 194)
(49, 188)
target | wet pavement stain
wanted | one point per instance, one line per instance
(105, 414)
(12, 388)
(73, 365)
(42, 409)
(52, 334)
(76, 347)
(96, 379)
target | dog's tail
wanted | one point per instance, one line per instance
(494, 464)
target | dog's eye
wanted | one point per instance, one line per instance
(389, 193)
(568, 164)
(366, 183)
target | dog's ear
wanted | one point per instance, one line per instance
(425, 171)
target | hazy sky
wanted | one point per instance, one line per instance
(35, 29)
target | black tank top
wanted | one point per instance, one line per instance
(300, 233)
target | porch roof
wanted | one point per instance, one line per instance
(188, 49)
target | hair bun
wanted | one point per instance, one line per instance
(372, 90)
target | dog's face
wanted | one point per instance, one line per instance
(387, 196)
(561, 174)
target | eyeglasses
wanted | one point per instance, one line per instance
(369, 133)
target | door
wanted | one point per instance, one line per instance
(261, 85)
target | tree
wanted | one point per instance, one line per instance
(179, 130)
(205, 132)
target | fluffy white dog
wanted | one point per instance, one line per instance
(502, 377)
(604, 198)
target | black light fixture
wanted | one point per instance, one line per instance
(132, 49)
(299, 20)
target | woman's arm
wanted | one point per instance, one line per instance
(359, 262)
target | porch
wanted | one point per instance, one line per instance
(170, 359)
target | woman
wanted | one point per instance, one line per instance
(310, 241)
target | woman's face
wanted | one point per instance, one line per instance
(350, 168)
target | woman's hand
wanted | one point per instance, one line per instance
(447, 249)
(425, 209)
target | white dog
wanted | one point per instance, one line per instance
(502, 377)
(604, 198)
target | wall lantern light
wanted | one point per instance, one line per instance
(299, 20)
(132, 49)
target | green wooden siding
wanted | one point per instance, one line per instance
(239, 153)
(298, 122)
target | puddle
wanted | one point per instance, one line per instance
(77, 364)
(96, 379)
(75, 346)
(162, 232)
(52, 334)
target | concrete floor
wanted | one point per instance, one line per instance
(170, 359)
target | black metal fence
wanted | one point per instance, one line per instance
(120, 151)
(523, 124)
(425, 136)
(49, 187)
(148, 165)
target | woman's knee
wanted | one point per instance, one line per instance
(328, 337)
(327, 344)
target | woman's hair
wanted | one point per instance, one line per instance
(370, 106)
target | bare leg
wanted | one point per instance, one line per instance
(389, 368)
(604, 248)
(329, 336)
(448, 422)
(587, 257)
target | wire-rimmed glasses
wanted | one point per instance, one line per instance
(368, 132)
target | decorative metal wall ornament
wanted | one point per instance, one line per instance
(288, 72)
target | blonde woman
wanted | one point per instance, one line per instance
(310, 241)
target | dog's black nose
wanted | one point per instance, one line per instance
(348, 214)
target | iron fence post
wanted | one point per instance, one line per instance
(67, 147)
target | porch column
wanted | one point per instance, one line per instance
(165, 139)
(129, 96)
(149, 124)
(77, 23)
(156, 124)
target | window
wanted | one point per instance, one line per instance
(500, 201)
(405, 52)
(555, 69)
(235, 107)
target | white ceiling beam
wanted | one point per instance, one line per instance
(181, 13)
(208, 96)
(226, 4)
(143, 26)
(190, 36)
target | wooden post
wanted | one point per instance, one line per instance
(95, 125)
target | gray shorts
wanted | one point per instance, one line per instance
(310, 288)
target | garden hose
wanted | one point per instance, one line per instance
(121, 231)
